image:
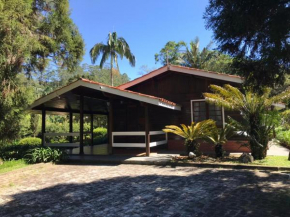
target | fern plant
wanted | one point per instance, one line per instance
(218, 137)
(254, 109)
(44, 155)
(192, 133)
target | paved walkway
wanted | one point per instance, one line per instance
(278, 150)
(136, 190)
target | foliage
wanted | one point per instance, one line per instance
(33, 35)
(14, 151)
(192, 133)
(256, 33)
(257, 121)
(12, 165)
(30, 141)
(12, 107)
(190, 56)
(100, 135)
(116, 47)
(170, 53)
(218, 137)
(45, 154)
(283, 135)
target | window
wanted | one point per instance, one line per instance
(200, 110)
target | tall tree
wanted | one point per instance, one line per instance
(190, 55)
(257, 34)
(33, 34)
(116, 47)
(170, 53)
(255, 109)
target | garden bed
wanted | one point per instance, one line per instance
(274, 161)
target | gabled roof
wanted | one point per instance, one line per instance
(186, 70)
(107, 89)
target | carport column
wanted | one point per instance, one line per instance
(92, 129)
(110, 127)
(70, 126)
(43, 117)
(147, 131)
(81, 124)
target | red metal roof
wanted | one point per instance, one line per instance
(129, 91)
(152, 74)
(98, 83)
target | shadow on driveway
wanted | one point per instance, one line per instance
(207, 193)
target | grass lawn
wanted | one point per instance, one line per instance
(12, 165)
(275, 161)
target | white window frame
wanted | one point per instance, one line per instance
(203, 100)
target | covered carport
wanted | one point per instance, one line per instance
(85, 97)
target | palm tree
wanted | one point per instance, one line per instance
(192, 133)
(219, 137)
(115, 47)
(194, 58)
(257, 121)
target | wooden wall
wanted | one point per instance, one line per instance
(179, 88)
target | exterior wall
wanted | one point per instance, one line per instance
(179, 88)
(231, 146)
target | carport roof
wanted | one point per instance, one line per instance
(96, 86)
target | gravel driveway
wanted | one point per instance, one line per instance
(135, 190)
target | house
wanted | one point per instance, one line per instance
(138, 110)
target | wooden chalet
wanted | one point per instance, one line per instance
(137, 111)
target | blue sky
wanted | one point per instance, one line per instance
(147, 25)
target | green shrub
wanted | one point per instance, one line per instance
(100, 135)
(45, 154)
(283, 136)
(14, 151)
(30, 141)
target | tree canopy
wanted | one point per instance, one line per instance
(116, 47)
(33, 35)
(190, 55)
(257, 34)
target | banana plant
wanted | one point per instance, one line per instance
(192, 133)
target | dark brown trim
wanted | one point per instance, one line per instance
(43, 125)
(92, 129)
(70, 126)
(110, 128)
(147, 131)
(81, 125)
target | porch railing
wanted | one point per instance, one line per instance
(63, 145)
(139, 133)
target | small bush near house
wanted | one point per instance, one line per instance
(30, 141)
(14, 151)
(44, 155)
(100, 135)
(284, 137)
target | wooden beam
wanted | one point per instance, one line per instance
(43, 124)
(81, 125)
(67, 111)
(92, 129)
(70, 126)
(110, 127)
(147, 131)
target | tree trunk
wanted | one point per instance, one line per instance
(112, 79)
(219, 151)
(258, 152)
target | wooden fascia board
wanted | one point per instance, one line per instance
(105, 89)
(131, 96)
(207, 74)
